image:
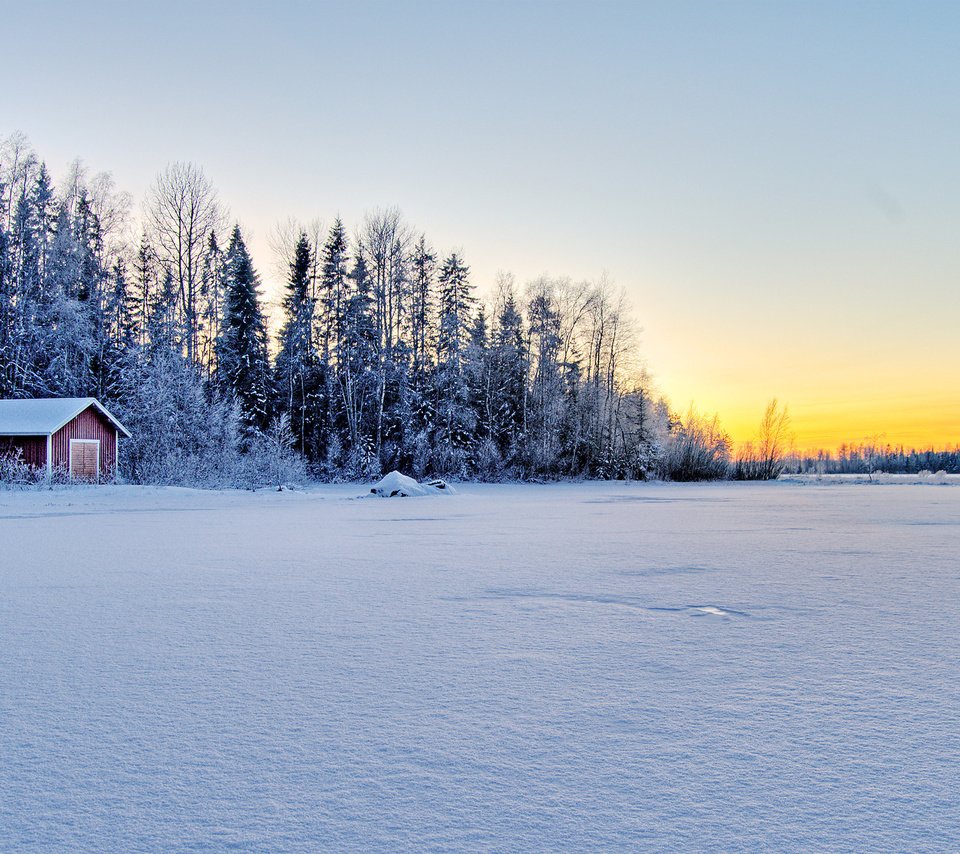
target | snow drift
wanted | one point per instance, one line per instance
(396, 485)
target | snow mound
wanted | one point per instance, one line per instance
(396, 485)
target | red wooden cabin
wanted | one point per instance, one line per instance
(74, 434)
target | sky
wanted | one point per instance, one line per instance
(776, 186)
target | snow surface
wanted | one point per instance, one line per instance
(563, 667)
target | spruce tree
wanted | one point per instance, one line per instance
(211, 303)
(333, 287)
(455, 422)
(242, 347)
(509, 381)
(296, 368)
(423, 262)
(357, 356)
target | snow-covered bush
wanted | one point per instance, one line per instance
(15, 472)
(697, 449)
(270, 460)
(488, 462)
(186, 435)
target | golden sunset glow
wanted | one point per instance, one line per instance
(885, 393)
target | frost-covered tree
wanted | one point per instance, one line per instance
(423, 264)
(546, 401)
(333, 288)
(297, 372)
(242, 364)
(509, 370)
(357, 360)
(183, 209)
(455, 422)
(210, 304)
(382, 358)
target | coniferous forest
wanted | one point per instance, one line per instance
(383, 355)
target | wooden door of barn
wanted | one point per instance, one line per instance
(84, 459)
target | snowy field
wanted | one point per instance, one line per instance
(565, 667)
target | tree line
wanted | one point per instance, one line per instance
(870, 457)
(384, 357)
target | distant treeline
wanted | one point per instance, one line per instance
(869, 458)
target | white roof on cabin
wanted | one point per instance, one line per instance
(43, 417)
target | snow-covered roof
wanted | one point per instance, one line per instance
(45, 416)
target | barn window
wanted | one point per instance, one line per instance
(84, 459)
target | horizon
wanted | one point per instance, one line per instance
(771, 230)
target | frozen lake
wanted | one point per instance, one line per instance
(705, 667)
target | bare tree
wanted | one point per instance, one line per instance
(182, 210)
(765, 459)
(388, 240)
(775, 439)
(18, 169)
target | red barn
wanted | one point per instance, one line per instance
(75, 434)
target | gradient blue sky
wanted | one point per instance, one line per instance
(776, 185)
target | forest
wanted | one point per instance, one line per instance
(382, 355)
(867, 458)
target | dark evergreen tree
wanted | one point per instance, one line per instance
(297, 372)
(211, 304)
(509, 382)
(333, 288)
(453, 430)
(423, 265)
(545, 410)
(485, 457)
(357, 382)
(143, 290)
(242, 366)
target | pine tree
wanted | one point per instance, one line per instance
(423, 262)
(211, 303)
(546, 392)
(8, 312)
(420, 406)
(485, 457)
(357, 356)
(242, 347)
(163, 328)
(143, 289)
(296, 365)
(509, 381)
(333, 287)
(455, 422)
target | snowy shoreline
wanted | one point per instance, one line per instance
(108, 496)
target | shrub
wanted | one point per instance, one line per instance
(698, 449)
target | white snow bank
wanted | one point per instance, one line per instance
(529, 669)
(396, 485)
